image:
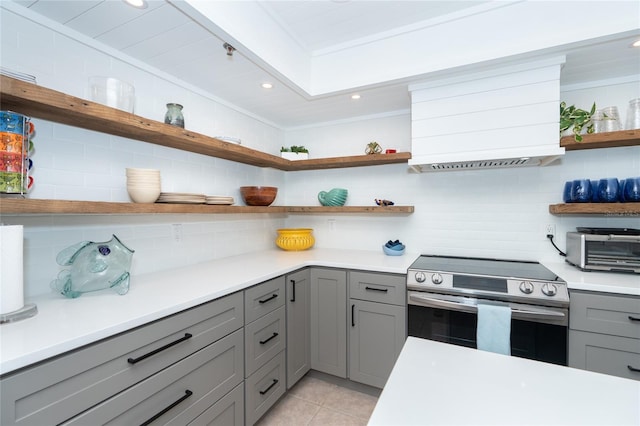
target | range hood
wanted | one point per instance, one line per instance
(503, 117)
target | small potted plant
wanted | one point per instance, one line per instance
(574, 120)
(294, 153)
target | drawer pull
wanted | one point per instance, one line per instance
(635, 370)
(275, 382)
(382, 290)
(632, 318)
(186, 395)
(167, 346)
(273, 296)
(273, 336)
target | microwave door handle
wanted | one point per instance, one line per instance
(517, 313)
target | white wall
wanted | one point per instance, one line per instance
(492, 213)
(75, 164)
(495, 213)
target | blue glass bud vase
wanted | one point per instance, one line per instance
(174, 115)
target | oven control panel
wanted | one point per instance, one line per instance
(545, 292)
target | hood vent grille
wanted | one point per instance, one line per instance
(488, 164)
(484, 164)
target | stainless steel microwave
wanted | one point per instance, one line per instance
(604, 249)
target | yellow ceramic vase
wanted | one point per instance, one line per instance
(295, 238)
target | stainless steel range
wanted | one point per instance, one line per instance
(444, 292)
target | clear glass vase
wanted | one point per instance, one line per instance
(174, 115)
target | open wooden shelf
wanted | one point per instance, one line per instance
(35, 101)
(606, 209)
(39, 206)
(602, 140)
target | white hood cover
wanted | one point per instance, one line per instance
(505, 117)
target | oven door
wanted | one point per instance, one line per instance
(538, 333)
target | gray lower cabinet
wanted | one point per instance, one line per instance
(265, 387)
(226, 412)
(55, 391)
(265, 346)
(604, 333)
(377, 325)
(178, 394)
(328, 321)
(298, 291)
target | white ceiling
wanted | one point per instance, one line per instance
(160, 33)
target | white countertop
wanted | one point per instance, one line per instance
(608, 282)
(435, 383)
(64, 324)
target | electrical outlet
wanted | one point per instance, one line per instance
(176, 230)
(550, 229)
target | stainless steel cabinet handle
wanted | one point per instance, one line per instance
(186, 395)
(167, 346)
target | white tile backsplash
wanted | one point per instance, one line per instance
(490, 213)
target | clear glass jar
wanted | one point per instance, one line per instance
(633, 115)
(174, 115)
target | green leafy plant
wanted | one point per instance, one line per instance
(576, 117)
(294, 148)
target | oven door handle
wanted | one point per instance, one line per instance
(516, 312)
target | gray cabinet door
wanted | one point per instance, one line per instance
(329, 321)
(605, 313)
(298, 290)
(56, 390)
(377, 332)
(263, 298)
(602, 353)
(177, 394)
(378, 287)
(264, 338)
(265, 387)
(229, 411)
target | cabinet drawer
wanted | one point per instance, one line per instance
(377, 287)
(606, 314)
(264, 338)
(265, 387)
(616, 356)
(229, 411)
(193, 385)
(57, 390)
(263, 298)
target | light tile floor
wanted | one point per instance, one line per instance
(319, 399)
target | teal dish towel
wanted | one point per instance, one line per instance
(494, 329)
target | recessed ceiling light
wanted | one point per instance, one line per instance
(140, 4)
(355, 97)
(267, 86)
(636, 43)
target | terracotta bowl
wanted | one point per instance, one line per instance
(258, 195)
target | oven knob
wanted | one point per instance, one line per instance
(526, 287)
(420, 277)
(436, 279)
(549, 289)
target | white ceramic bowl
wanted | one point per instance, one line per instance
(143, 195)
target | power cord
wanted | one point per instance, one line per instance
(550, 237)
